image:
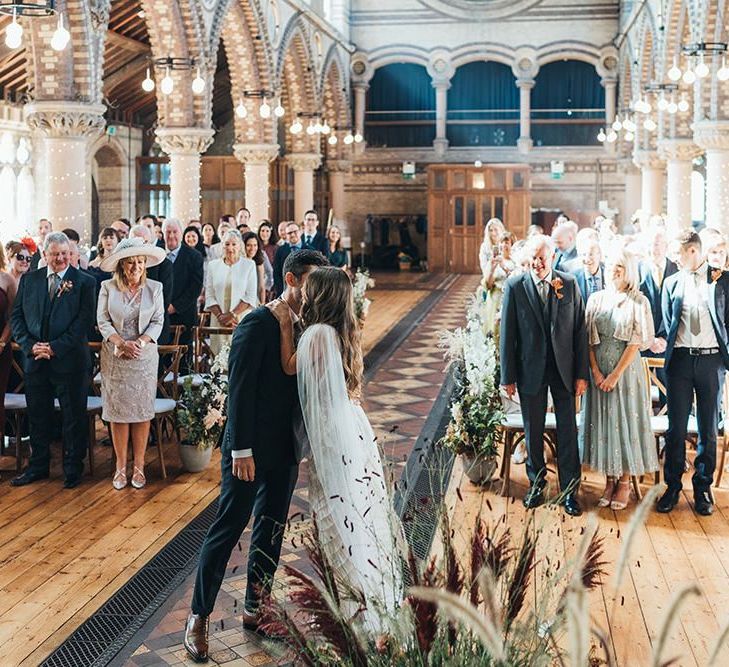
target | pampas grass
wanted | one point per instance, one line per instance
(679, 599)
(723, 636)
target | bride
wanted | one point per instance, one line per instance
(350, 502)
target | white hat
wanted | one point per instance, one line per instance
(132, 247)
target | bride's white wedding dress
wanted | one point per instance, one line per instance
(348, 493)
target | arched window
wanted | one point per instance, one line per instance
(568, 105)
(400, 107)
(483, 106)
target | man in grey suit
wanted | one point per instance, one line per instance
(544, 347)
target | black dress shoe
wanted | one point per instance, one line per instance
(572, 505)
(534, 497)
(71, 482)
(196, 637)
(28, 477)
(704, 503)
(668, 501)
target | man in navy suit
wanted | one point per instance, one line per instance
(53, 313)
(544, 348)
(564, 236)
(312, 239)
(696, 317)
(293, 243)
(590, 276)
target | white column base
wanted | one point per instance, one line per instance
(524, 144)
(440, 146)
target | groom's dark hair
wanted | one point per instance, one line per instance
(299, 260)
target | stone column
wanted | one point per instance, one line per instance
(360, 105)
(338, 170)
(66, 130)
(713, 137)
(184, 145)
(632, 190)
(525, 142)
(610, 85)
(679, 155)
(440, 143)
(256, 159)
(653, 181)
(304, 165)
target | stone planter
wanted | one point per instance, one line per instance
(194, 459)
(480, 470)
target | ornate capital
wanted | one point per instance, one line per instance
(65, 119)
(681, 150)
(648, 160)
(304, 161)
(341, 166)
(255, 153)
(525, 84)
(184, 140)
(712, 135)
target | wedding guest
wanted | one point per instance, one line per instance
(312, 238)
(19, 257)
(108, 240)
(617, 438)
(491, 234)
(122, 227)
(564, 236)
(187, 282)
(336, 254)
(243, 217)
(44, 228)
(714, 244)
(56, 360)
(210, 236)
(535, 230)
(8, 289)
(696, 318)
(498, 270)
(231, 288)
(264, 270)
(196, 224)
(193, 239)
(293, 242)
(130, 315)
(590, 276)
(226, 223)
(281, 230)
(269, 240)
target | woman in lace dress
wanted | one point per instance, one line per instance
(497, 271)
(130, 316)
(348, 491)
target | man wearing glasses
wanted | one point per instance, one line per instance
(293, 243)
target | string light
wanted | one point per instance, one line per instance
(279, 111)
(629, 136)
(148, 83)
(296, 127)
(198, 83)
(311, 128)
(358, 138)
(349, 139)
(617, 125)
(14, 33)
(167, 85)
(241, 110)
(683, 105)
(61, 37)
(649, 124)
(689, 76)
(601, 136)
(672, 107)
(702, 69)
(265, 109)
(333, 140)
(662, 102)
(675, 72)
(612, 136)
(723, 72)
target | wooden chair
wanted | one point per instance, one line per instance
(165, 405)
(16, 406)
(203, 353)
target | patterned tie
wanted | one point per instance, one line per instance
(543, 290)
(695, 317)
(55, 281)
(308, 240)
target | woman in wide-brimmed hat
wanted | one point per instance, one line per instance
(130, 315)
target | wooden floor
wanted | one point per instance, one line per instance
(669, 552)
(64, 553)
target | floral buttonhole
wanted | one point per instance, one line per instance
(65, 286)
(557, 286)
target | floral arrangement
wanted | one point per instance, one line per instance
(477, 410)
(360, 284)
(202, 409)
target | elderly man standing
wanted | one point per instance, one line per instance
(544, 348)
(564, 236)
(590, 276)
(52, 315)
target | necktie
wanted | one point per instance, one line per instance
(543, 290)
(593, 285)
(55, 281)
(695, 318)
(308, 240)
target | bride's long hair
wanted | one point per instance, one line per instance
(327, 298)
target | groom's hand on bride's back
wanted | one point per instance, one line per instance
(244, 469)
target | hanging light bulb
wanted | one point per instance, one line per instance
(629, 125)
(617, 125)
(723, 72)
(702, 69)
(601, 136)
(349, 138)
(333, 140)
(167, 85)
(612, 136)
(311, 128)
(279, 111)
(148, 83)
(241, 110)
(649, 124)
(662, 103)
(675, 72)
(296, 127)
(689, 76)
(325, 129)
(317, 126)
(265, 109)
(629, 136)
(478, 164)
(358, 138)
(14, 33)
(61, 36)
(683, 105)
(672, 107)
(198, 83)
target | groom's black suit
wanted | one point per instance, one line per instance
(261, 402)
(63, 320)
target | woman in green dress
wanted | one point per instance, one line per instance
(336, 254)
(616, 435)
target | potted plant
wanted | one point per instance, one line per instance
(201, 414)
(360, 284)
(405, 261)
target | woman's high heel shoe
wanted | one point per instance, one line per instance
(616, 503)
(607, 494)
(120, 480)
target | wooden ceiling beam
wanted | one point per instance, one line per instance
(127, 43)
(129, 70)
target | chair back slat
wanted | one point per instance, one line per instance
(651, 366)
(204, 354)
(169, 364)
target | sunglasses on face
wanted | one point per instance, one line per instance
(23, 258)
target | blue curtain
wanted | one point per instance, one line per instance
(400, 87)
(483, 85)
(574, 87)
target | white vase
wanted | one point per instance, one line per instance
(479, 469)
(194, 459)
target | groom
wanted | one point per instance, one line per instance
(260, 459)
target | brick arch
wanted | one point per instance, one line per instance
(250, 61)
(296, 80)
(627, 79)
(335, 100)
(76, 72)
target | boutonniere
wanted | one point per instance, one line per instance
(715, 275)
(557, 286)
(65, 286)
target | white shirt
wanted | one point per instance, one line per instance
(537, 281)
(172, 254)
(691, 298)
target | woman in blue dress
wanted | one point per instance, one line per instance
(616, 434)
